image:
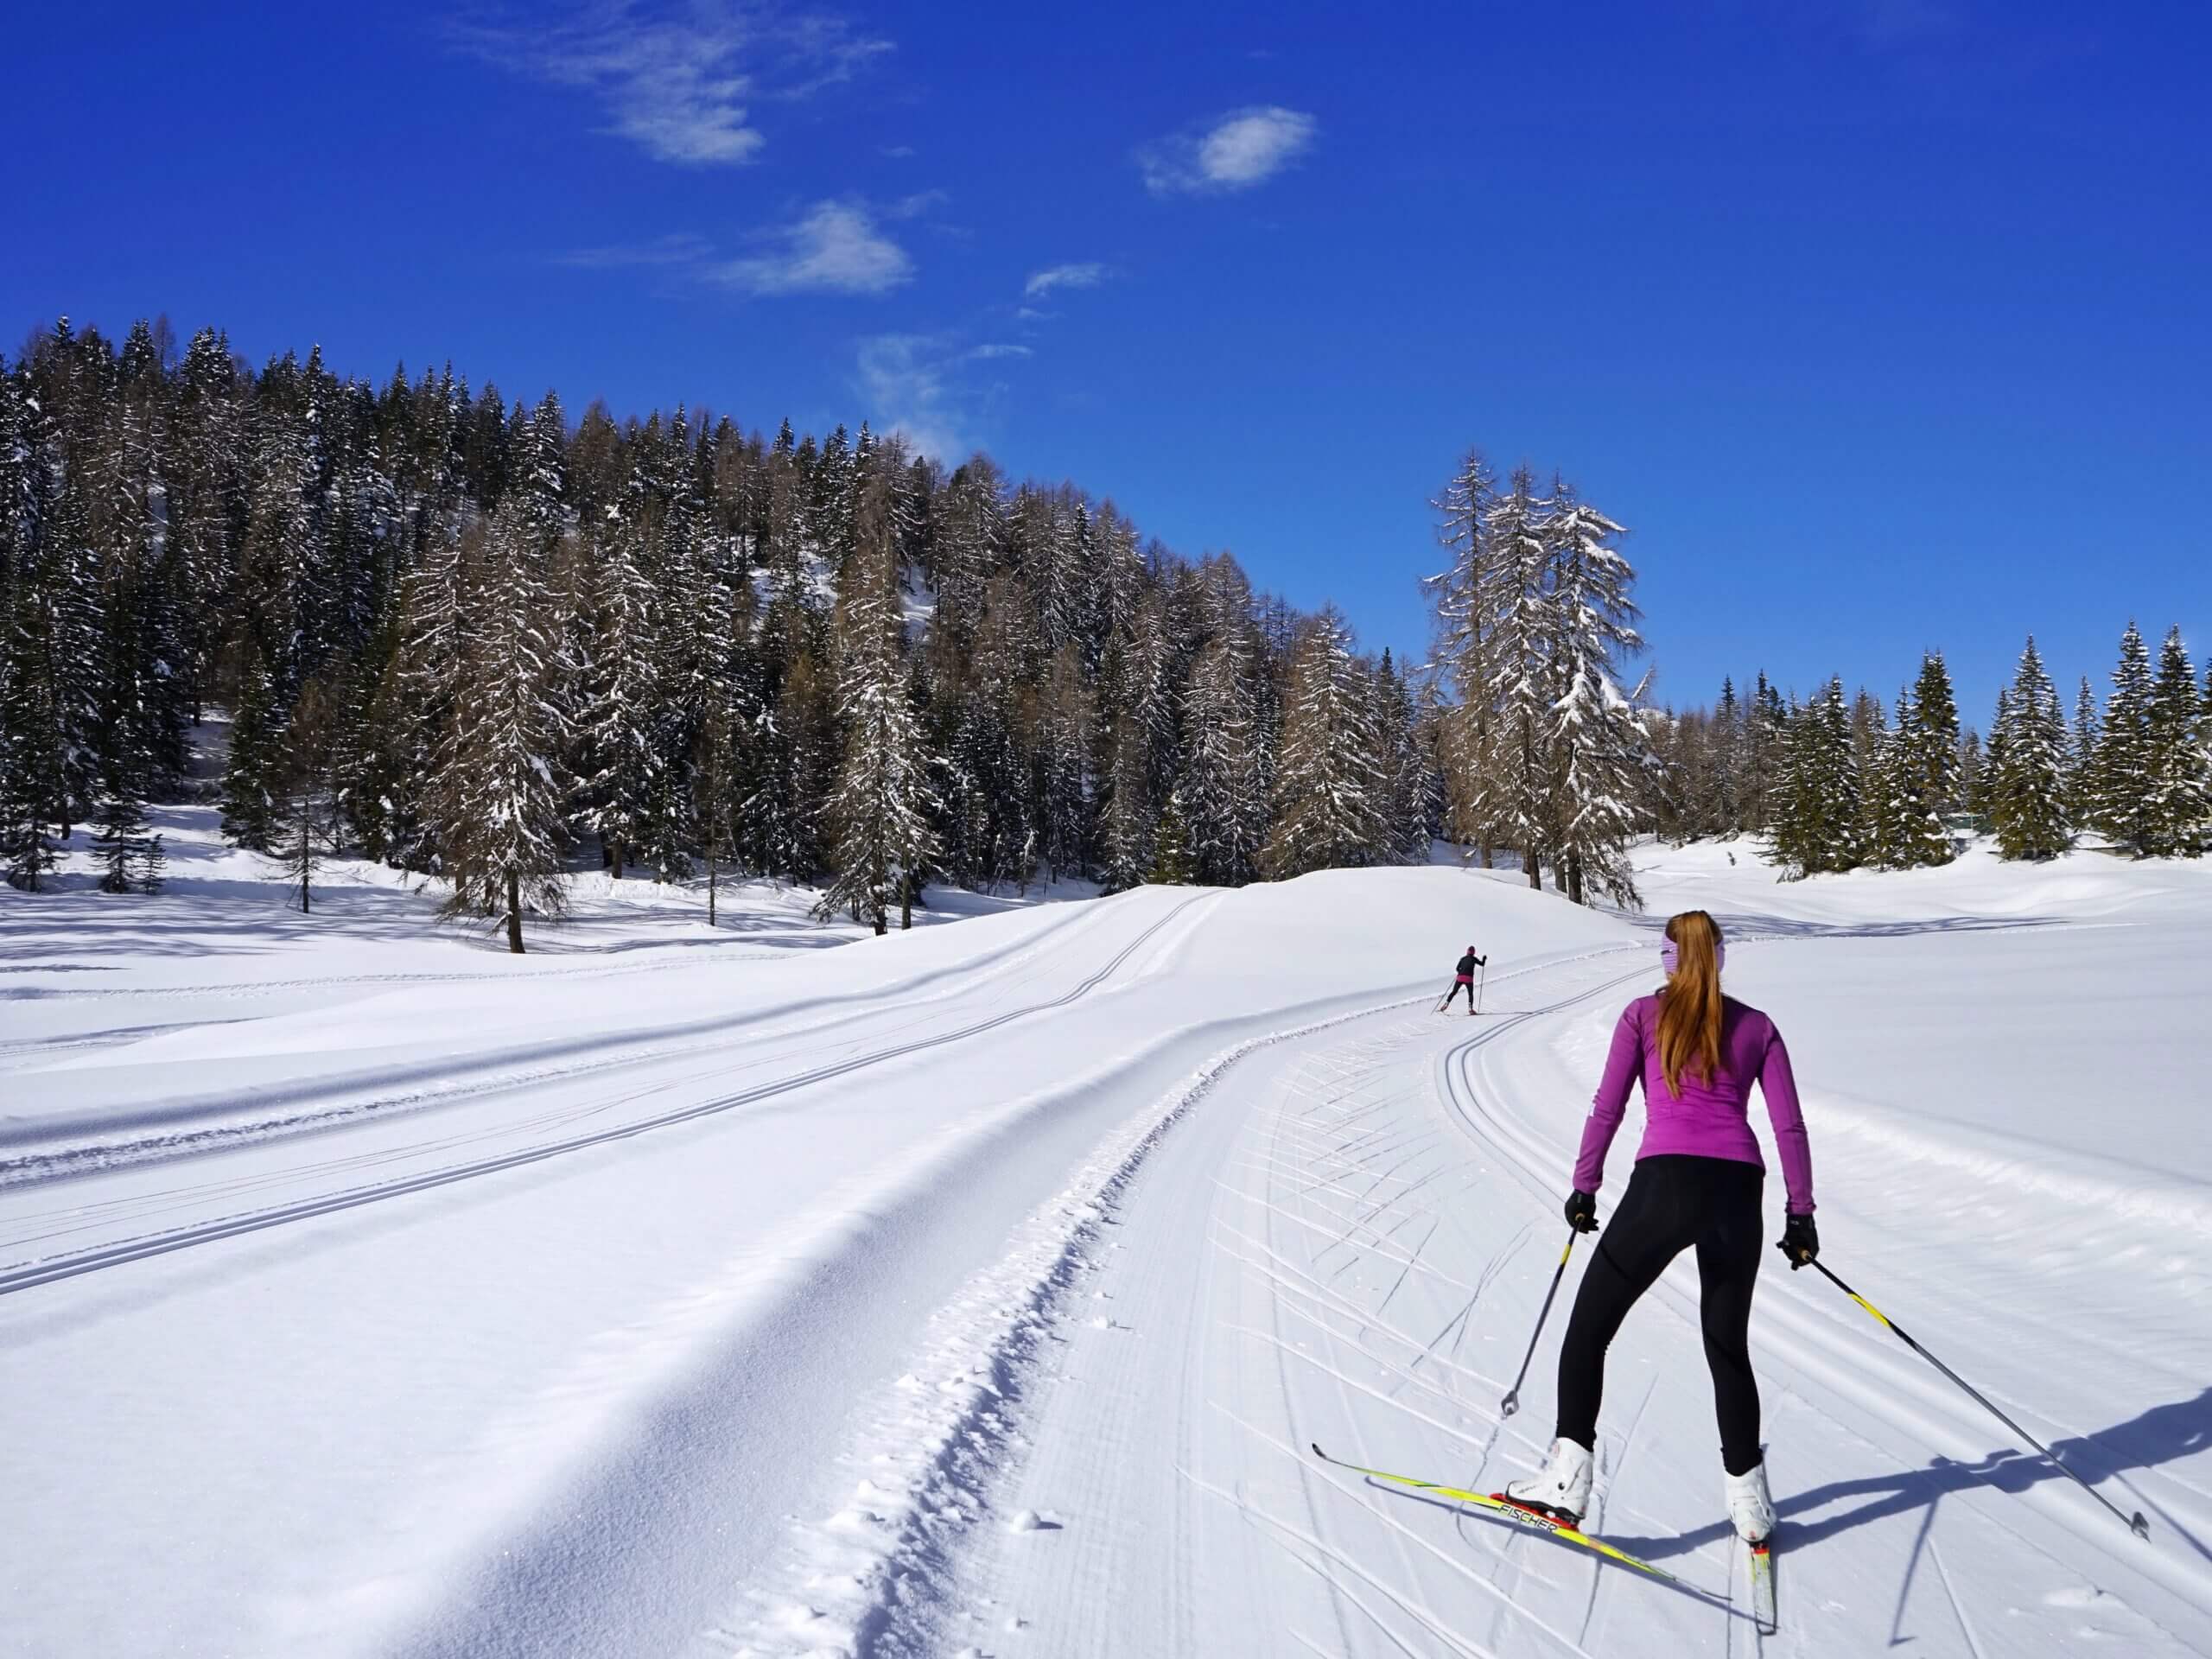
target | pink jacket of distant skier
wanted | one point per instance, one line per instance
(1708, 1119)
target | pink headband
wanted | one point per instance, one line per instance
(1670, 959)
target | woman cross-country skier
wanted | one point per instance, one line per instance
(1697, 1181)
(1466, 972)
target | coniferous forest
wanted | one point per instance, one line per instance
(487, 643)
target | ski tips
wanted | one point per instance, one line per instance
(2139, 1526)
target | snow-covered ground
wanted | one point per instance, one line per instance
(365, 1290)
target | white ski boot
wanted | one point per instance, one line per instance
(1751, 1507)
(1563, 1488)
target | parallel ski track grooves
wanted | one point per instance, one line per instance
(113, 1255)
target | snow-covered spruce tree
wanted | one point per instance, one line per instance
(306, 809)
(1326, 811)
(1932, 743)
(1464, 599)
(2127, 770)
(1066, 807)
(1127, 825)
(2181, 769)
(1218, 796)
(251, 772)
(1728, 759)
(879, 811)
(2028, 787)
(2081, 756)
(1892, 802)
(56, 626)
(1818, 827)
(1406, 798)
(1763, 746)
(1522, 627)
(501, 792)
(1593, 736)
(119, 838)
(714, 780)
(620, 737)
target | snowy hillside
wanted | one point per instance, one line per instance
(363, 1291)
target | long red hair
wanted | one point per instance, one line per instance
(1689, 1007)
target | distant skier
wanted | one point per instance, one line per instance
(1697, 1182)
(1465, 980)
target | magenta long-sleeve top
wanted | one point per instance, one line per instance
(1709, 1118)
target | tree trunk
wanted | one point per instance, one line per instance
(1535, 868)
(906, 903)
(710, 884)
(1574, 877)
(514, 914)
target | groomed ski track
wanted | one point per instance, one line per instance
(994, 1315)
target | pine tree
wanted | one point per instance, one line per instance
(2126, 769)
(1326, 814)
(625, 790)
(881, 810)
(308, 799)
(2028, 789)
(1128, 823)
(501, 790)
(2181, 808)
(251, 780)
(1818, 828)
(121, 840)
(1933, 748)
(1219, 799)
(1594, 735)
(2081, 788)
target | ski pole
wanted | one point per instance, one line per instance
(2136, 1523)
(1481, 978)
(1511, 1403)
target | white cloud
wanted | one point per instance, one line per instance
(1234, 152)
(1042, 282)
(677, 85)
(681, 248)
(902, 379)
(985, 353)
(835, 248)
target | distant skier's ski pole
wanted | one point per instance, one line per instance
(1511, 1403)
(1481, 978)
(2136, 1523)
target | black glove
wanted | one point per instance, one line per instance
(1800, 1241)
(1582, 1211)
(1482, 962)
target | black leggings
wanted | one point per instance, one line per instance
(1674, 1201)
(1458, 986)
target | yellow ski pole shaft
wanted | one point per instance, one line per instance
(1511, 1403)
(2135, 1522)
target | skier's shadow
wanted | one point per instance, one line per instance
(2162, 1434)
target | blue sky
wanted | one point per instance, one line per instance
(1882, 323)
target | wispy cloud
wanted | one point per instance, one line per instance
(1233, 152)
(678, 84)
(834, 248)
(985, 353)
(1042, 282)
(903, 379)
(683, 249)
